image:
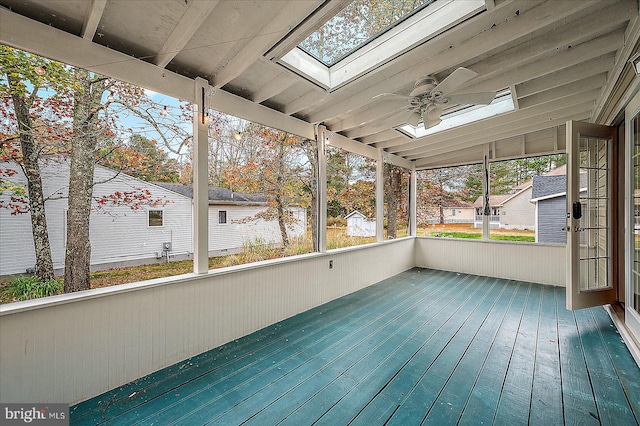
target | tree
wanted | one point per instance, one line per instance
(276, 171)
(69, 117)
(394, 182)
(140, 157)
(32, 121)
(445, 187)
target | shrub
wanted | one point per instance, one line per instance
(30, 287)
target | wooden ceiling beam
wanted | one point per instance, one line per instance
(594, 82)
(567, 75)
(277, 85)
(92, 18)
(195, 15)
(270, 34)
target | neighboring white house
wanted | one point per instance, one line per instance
(509, 211)
(121, 236)
(358, 225)
(458, 214)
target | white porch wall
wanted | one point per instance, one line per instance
(538, 263)
(72, 347)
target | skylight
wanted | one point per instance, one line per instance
(356, 25)
(501, 104)
(333, 63)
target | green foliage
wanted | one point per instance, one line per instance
(30, 287)
(140, 157)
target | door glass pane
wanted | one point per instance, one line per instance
(636, 203)
(595, 221)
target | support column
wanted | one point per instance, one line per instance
(486, 206)
(200, 180)
(321, 146)
(413, 204)
(380, 197)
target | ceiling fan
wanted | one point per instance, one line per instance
(429, 97)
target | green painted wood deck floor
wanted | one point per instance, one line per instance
(423, 347)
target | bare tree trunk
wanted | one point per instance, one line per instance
(30, 154)
(312, 155)
(393, 194)
(84, 140)
(282, 220)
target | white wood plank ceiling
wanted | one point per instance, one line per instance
(561, 59)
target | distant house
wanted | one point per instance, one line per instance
(462, 213)
(358, 225)
(549, 198)
(509, 211)
(121, 236)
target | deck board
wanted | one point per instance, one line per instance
(423, 347)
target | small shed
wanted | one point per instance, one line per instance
(358, 225)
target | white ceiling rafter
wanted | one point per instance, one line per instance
(266, 37)
(194, 16)
(92, 19)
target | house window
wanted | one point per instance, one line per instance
(453, 212)
(156, 218)
(222, 217)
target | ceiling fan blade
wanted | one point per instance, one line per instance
(455, 79)
(472, 98)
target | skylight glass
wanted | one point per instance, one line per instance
(356, 25)
(501, 104)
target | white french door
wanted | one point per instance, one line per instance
(632, 213)
(589, 215)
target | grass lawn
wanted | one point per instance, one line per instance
(464, 230)
(336, 238)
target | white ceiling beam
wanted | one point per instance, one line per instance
(23, 33)
(594, 82)
(309, 98)
(277, 85)
(567, 75)
(535, 19)
(601, 48)
(632, 37)
(519, 127)
(557, 41)
(267, 36)
(400, 140)
(92, 18)
(26, 34)
(379, 137)
(484, 126)
(195, 15)
(337, 140)
(371, 114)
(325, 12)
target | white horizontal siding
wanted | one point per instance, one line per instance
(118, 234)
(241, 229)
(71, 347)
(537, 263)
